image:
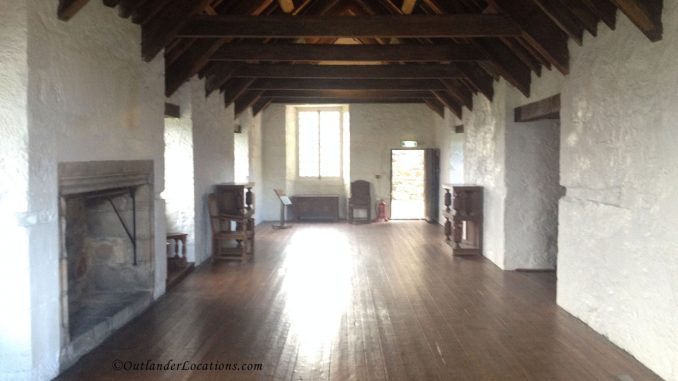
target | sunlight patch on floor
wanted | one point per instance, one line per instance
(317, 286)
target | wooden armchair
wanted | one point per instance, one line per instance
(232, 234)
(360, 199)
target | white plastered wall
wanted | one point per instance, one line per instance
(618, 252)
(374, 130)
(213, 159)
(251, 127)
(16, 356)
(617, 262)
(378, 128)
(179, 188)
(484, 164)
(79, 92)
(451, 145)
(273, 161)
(517, 165)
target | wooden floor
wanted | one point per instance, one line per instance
(361, 302)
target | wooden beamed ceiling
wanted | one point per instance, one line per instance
(436, 52)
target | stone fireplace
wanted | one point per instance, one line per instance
(106, 255)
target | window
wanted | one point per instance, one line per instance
(319, 142)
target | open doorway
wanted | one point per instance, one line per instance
(533, 186)
(408, 200)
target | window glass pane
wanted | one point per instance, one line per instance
(308, 144)
(330, 144)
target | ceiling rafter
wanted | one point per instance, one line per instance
(160, 30)
(423, 71)
(234, 87)
(435, 52)
(437, 106)
(646, 15)
(346, 84)
(348, 53)
(562, 17)
(538, 29)
(246, 100)
(197, 55)
(260, 105)
(605, 10)
(460, 25)
(68, 8)
(348, 93)
(451, 102)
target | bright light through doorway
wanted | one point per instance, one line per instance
(407, 184)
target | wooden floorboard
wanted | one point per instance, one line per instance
(361, 302)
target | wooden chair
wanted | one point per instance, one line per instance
(360, 199)
(229, 241)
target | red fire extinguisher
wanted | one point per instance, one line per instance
(381, 211)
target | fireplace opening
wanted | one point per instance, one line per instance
(107, 250)
(103, 272)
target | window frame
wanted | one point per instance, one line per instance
(319, 177)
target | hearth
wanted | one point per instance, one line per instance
(107, 269)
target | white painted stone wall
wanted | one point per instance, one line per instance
(241, 148)
(213, 158)
(273, 161)
(517, 164)
(374, 131)
(618, 252)
(79, 92)
(179, 188)
(484, 164)
(533, 191)
(451, 147)
(252, 129)
(378, 128)
(279, 163)
(16, 355)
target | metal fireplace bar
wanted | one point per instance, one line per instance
(117, 192)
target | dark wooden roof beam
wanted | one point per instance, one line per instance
(197, 56)
(349, 53)
(645, 14)
(357, 94)
(460, 25)
(234, 87)
(246, 100)
(459, 92)
(337, 100)
(587, 18)
(348, 84)
(68, 8)
(260, 104)
(451, 102)
(423, 71)
(507, 65)
(216, 79)
(539, 30)
(159, 31)
(436, 106)
(562, 17)
(548, 108)
(604, 10)
(477, 77)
